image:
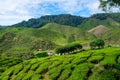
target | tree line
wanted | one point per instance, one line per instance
(68, 48)
(71, 48)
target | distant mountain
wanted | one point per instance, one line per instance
(2, 26)
(104, 16)
(64, 19)
(111, 20)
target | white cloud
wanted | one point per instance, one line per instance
(13, 11)
(93, 7)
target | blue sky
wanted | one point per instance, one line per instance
(14, 11)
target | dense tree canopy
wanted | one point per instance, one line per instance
(64, 19)
(99, 43)
(68, 48)
(107, 5)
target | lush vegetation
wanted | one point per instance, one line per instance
(7, 62)
(71, 20)
(68, 48)
(64, 19)
(100, 64)
(99, 43)
(107, 5)
(110, 20)
(22, 42)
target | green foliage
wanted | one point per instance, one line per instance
(79, 72)
(97, 43)
(109, 60)
(109, 20)
(55, 72)
(19, 68)
(36, 77)
(65, 74)
(42, 68)
(64, 19)
(95, 58)
(81, 66)
(6, 63)
(41, 54)
(28, 75)
(34, 66)
(119, 60)
(107, 75)
(68, 48)
(106, 5)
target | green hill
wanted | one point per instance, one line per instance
(101, 64)
(93, 22)
(20, 42)
(112, 37)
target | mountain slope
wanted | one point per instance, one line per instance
(64, 19)
(106, 19)
(112, 36)
(98, 31)
(19, 42)
(93, 22)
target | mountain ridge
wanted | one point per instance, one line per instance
(85, 23)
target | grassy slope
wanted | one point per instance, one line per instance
(112, 37)
(25, 38)
(20, 41)
(92, 22)
(68, 32)
(53, 32)
(98, 31)
(88, 65)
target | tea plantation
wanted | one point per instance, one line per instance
(6, 63)
(102, 64)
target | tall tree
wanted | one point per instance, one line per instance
(107, 5)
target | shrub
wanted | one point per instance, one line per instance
(41, 54)
(55, 72)
(28, 75)
(36, 77)
(65, 74)
(42, 68)
(95, 58)
(18, 68)
(34, 66)
(68, 48)
(79, 72)
(108, 61)
(107, 75)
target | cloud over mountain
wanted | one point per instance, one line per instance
(12, 11)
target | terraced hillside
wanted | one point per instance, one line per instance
(6, 63)
(101, 64)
